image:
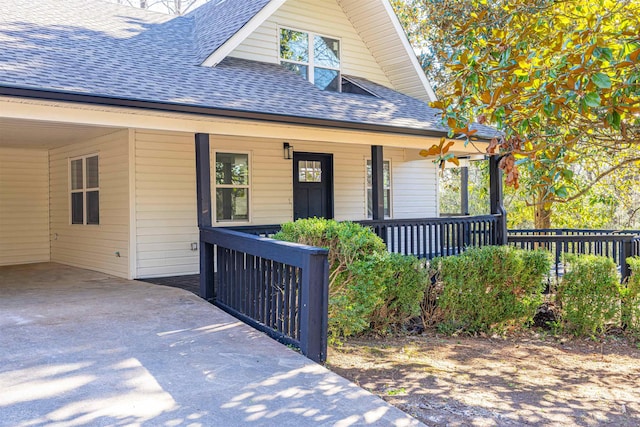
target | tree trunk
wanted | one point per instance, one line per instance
(542, 215)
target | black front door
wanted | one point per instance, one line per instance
(312, 185)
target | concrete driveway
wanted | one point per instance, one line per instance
(84, 348)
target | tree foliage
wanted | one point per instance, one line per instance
(559, 78)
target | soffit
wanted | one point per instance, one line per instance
(18, 133)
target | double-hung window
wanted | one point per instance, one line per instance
(314, 57)
(84, 190)
(232, 187)
(386, 173)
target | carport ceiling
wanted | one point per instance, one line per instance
(19, 133)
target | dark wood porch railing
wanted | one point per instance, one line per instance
(432, 237)
(618, 245)
(257, 230)
(422, 237)
(277, 287)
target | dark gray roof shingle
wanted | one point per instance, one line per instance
(102, 49)
(218, 20)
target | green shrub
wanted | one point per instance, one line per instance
(490, 288)
(368, 287)
(356, 269)
(406, 280)
(630, 297)
(589, 294)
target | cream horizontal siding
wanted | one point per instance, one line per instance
(413, 180)
(94, 247)
(271, 192)
(24, 206)
(324, 17)
(415, 187)
(165, 203)
(165, 190)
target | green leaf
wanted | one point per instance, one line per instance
(614, 120)
(601, 80)
(604, 54)
(592, 99)
(561, 192)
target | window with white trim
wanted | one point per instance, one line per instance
(232, 187)
(84, 190)
(386, 179)
(314, 57)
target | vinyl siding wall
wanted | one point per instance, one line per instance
(324, 17)
(165, 200)
(24, 206)
(165, 191)
(93, 247)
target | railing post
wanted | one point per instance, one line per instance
(497, 206)
(377, 182)
(314, 307)
(464, 190)
(203, 190)
(626, 250)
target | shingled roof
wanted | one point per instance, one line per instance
(91, 47)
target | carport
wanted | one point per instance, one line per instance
(36, 190)
(79, 347)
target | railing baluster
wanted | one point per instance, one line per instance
(616, 246)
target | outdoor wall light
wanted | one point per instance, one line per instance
(288, 151)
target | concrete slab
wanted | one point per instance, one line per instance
(84, 348)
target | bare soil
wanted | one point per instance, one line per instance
(526, 381)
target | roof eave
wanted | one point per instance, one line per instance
(409, 50)
(79, 98)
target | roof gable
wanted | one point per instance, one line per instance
(322, 17)
(377, 26)
(219, 24)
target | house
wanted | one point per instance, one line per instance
(302, 107)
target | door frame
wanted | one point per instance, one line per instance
(328, 157)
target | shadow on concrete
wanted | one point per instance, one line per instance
(84, 348)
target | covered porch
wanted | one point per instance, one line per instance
(282, 288)
(80, 347)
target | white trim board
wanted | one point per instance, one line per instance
(234, 41)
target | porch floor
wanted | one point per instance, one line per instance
(189, 283)
(84, 348)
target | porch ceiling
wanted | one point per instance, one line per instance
(19, 133)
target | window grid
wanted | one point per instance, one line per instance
(310, 64)
(386, 179)
(221, 209)
(309, 171)
(78, 185)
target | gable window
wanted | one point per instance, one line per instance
(314, 57)
(84, 190)
(386, 174)
(232, 187)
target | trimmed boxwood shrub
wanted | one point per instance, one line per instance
(630, 298)
(367, 285)
(589, 294)
(406, 280)
(489, 288)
